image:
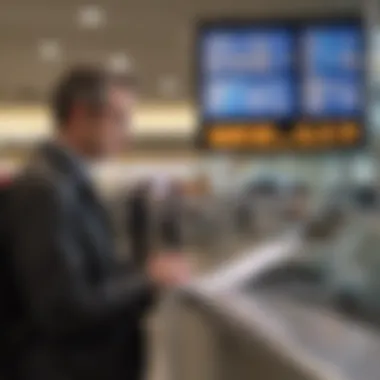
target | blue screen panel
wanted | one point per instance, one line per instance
(326, 97)
(252, 97)
(332, 50)
(247, 51)
(247, 73)
(332, 71)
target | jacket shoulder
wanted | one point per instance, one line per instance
(38, 177)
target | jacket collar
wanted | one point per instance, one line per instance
(65, 161)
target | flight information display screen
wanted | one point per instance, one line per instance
(281, 85)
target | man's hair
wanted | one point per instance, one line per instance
(87, 85)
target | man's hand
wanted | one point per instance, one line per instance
(168, 270)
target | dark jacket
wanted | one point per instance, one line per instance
(139, 227)
(83, 311)
(171, 223)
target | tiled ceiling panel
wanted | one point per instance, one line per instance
(155, 34)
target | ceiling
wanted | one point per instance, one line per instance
(156, 34)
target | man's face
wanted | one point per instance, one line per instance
(106, 129)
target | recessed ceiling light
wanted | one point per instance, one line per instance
(168, 85)
(49, 50)
(119, 62)
(92, 17)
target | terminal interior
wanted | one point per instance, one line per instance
(285, 245)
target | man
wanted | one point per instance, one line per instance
(82, 310)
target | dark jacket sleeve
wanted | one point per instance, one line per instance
(49, 265)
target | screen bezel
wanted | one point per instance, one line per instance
(294, 22)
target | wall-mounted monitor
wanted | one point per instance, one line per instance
(281, 85)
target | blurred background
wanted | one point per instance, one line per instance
(157, 41)
(223, 202)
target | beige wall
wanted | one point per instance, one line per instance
(24, 123)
